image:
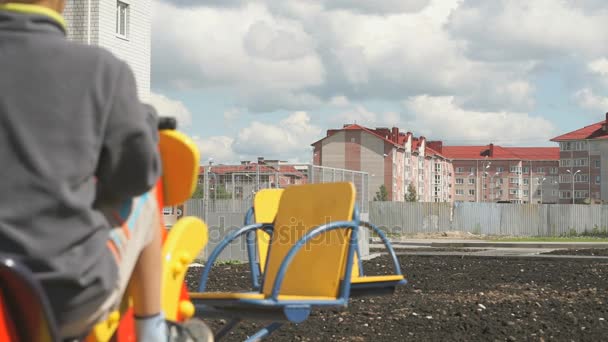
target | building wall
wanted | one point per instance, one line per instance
(520, 186)
(594, 151)
(79, 27)
(135, 50)
(372, 162)
(332, 151)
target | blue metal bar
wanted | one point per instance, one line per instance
(226, 329)
(216, 252)
(354, 242)
(310, 235)
(252, 252)
(386, 243)
(264, 332)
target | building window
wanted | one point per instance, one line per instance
(460, 192)
(597, 164)
(540, 170)
(554, 170)
(565, 194)
(580, 162)
(514, 181)
(581, 178)
(459, 181)
(471, 181)
(515, 169)
(581, 194)
(565, 162)
(526, 170)
(598, 179)
(122, 19)
(501, 181)
(500, 169)
(526, 181)
(472, 192)
(526, 193)
(539, 192)
(565, 179)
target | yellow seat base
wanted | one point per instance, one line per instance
(377, 279)
(253, 296)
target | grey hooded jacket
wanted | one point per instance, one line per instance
(73, 137)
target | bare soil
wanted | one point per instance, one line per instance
(463, 298)
(583, 251)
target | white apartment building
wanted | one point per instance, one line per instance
(121, 26)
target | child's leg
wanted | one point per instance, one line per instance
(136, 246)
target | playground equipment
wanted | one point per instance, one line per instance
(313, 240)
(25, 313)
(264, 210)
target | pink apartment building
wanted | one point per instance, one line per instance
(584, 154)
(493, 173)
(391, 158)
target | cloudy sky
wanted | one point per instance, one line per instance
(266, 78)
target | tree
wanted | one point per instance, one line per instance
(222, 193)
(411, 195)
(381, 194)
(199, 192)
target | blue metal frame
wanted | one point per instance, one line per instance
(216, 252)
(252, 252)
(295, 311)
(386, 243)
(353, 225)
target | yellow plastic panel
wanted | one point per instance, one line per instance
(377, 279)
(355, 271)
(226, 295)
(185, 241)
(318, 267)
(237, 296)
(104, 331)
(266, 205)
(180, 158)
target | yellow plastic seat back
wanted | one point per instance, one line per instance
(266, 204)
(180, 159)
(318, 268)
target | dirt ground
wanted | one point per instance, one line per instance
(585, 251)
(463, 298)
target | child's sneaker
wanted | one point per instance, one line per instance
(193, 330)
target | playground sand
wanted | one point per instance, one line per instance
(456, 298)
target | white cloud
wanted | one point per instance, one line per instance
(169, 107)
(586, 98)
(232, 114)
(289, 139)
(297, 55)
(377, 7)
(599, 66)
(339, 101)
(541, 29)
(246, 49)
(364, 117)
(292, 136)
(218, 148)
(441, 118)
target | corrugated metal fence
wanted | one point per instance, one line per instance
(489, 218)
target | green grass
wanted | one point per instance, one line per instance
(549, 239)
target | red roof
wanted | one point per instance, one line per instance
(356, 127)
(251, 168)
(595, 131)
(499, 152)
